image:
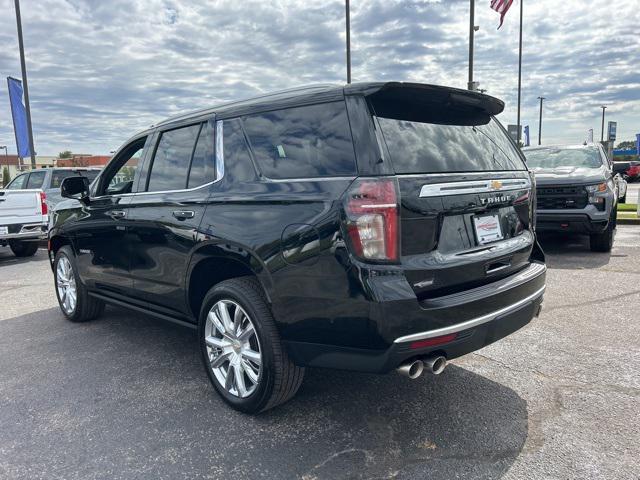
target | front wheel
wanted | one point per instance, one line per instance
(241, 348)
(603, 242)
(23, 249)
(623, 199)
(73, 298)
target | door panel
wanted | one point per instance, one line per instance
(102, 245)
(163, 235)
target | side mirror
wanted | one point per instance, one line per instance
(621, 167)
(75, 187)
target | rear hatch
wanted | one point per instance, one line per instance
(465, 193)
(20, 207)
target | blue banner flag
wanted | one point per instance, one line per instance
(638, 144)
(526, 136)
(19, 114)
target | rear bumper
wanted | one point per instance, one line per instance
(32, 231)
(452, 326)
(575, 223)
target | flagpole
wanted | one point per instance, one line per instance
(348, 28)
(24, 83)
(471, 34)
(519, 73)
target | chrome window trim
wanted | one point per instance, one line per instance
(307, 179)
(474, 322)
(219, 165)
(474, 186)
(219, 159)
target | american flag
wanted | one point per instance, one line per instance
(501, 6)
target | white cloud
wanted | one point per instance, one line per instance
(99, 71)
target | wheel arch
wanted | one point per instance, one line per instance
(58, 241)
(215, 263)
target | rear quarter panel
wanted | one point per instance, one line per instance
(291, 230)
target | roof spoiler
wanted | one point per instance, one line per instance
(401, 92)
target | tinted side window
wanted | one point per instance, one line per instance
(311, 141)
(18, 182)
(237, 161)
(36, 179)
(171, 161)
(203, 169)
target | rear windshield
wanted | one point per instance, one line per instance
(588, 157)
(424, 147)
(59, 175)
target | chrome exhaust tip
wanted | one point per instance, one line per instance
(435, 364)
(412, 369)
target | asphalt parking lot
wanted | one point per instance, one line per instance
(125, 397)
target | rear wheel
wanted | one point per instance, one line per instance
(603, 242)
(23, 249)
(73, 298)
(241, 348)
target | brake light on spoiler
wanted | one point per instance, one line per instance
(371, 207)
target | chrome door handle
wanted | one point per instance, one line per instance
(183, 214)
(118, 213)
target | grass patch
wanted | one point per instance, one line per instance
(627, 207)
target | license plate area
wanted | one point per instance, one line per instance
(487, 228)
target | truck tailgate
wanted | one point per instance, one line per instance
(20, 206)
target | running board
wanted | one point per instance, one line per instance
(147, 311)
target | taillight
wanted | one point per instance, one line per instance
(43, 203)
(371, 206)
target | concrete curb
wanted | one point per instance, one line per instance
(628, 221)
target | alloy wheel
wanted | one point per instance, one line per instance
(233, 348)
(66, 284)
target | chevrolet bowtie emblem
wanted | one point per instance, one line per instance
(496, 184)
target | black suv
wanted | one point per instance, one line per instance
(368, 227)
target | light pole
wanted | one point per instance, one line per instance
(471, 85)
(519, 74)
(6, 154)
(603, 107)
(540, 122)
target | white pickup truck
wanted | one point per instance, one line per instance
(24, 220)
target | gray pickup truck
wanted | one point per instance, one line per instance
(577, 191)
(25, 205)
(49, 180)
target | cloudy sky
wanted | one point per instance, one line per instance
(101, 70)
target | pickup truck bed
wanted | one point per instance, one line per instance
(24, 220)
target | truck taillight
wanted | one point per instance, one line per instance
(371, 207)
(43, 203)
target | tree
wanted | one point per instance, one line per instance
(65, 154)
(6, 176)
(627, 144)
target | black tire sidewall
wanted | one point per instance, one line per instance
(23, 249)
(259, 398)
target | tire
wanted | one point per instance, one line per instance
(603, 242)
(84, 308)
(23, 249)
(277, 379)
(623, 199)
